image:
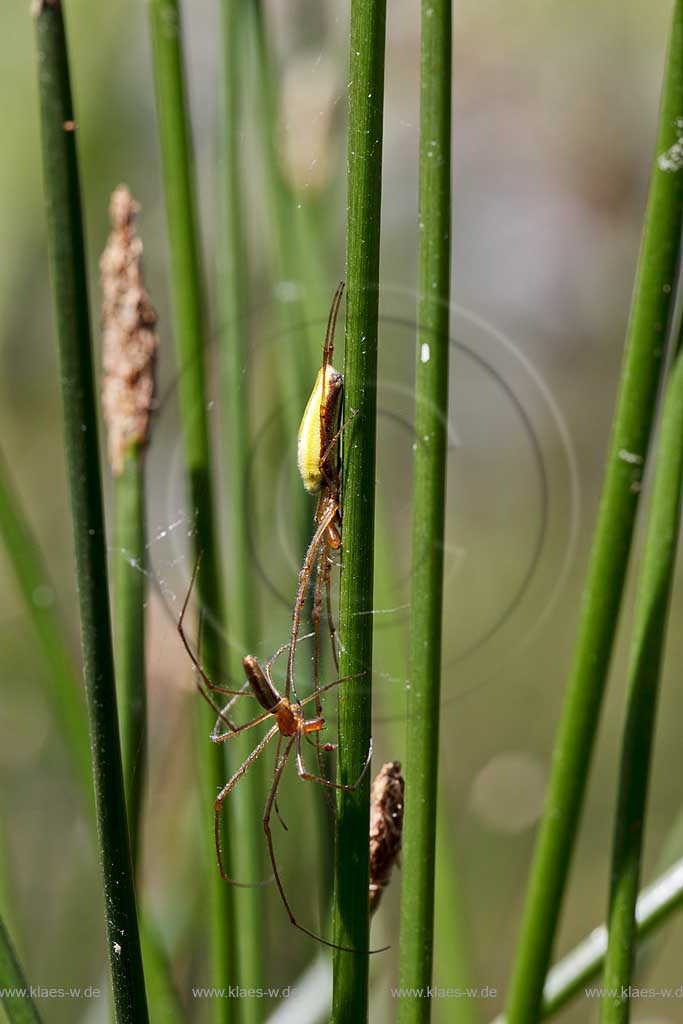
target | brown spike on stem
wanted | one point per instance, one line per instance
(128, 332)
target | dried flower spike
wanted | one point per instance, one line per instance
(386, 827)
(129, 338)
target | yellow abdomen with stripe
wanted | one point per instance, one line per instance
(312, 442)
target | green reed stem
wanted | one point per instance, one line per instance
(649, 634)
(249, 854)
(429, 501)
(294, 349)
(186, 281)
(46, 620)
(651, 307)
(64, 686)
(20, 1008)
(568, 978)
(129, 634)
(366, 97)
(67, 259)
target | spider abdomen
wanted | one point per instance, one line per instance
(318, 426)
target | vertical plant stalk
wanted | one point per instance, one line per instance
(181, 214)
(65, 689)
(293, 351)
(129, 353)
(429, 501)
(649, 633)
(67, 259)
(248, 857)
(650, 311)
(301, 330)
(295, 345)
(14, 988)
(655, 906)
(129, 618)
(366, 99)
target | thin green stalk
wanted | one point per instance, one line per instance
(248, 859)
(366, 97)
(568, 978)
(32, 573)
(301, 328)
(68, 266)
(453, 940)
(295, 347)
(65, 690)
(16, 999)
(651, 307)
(179, 187)
(649, 634)
(129, 617)
(429, 501)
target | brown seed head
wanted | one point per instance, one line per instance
(128, 335)
(386, 827)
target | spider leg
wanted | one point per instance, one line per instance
(201, 674)
(303, 774)
(315, 616)
(220, 737)
(271, 853)
(277, 761)
(285, 647)
(304, 580)
(328, 686)
(330, 619)
(328, 347)
(258, 749)
(333, 482)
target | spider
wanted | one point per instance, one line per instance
(290, 726)
(320, 468)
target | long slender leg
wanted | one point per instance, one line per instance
(258, 749)
(277, 761)
(285, 647)
(271, 853)
(328, 346)
(303, 774)
(333, 481)
(304, 579)
(328, 354)
(220, 737)
(202, 676)
(328, 686)
(315, 616)
(330, 617)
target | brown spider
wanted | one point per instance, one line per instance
(290, 726)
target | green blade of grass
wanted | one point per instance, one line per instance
(651, 306)
(249, 854)
(181, 216)
(655, 906)
(649, 633)
(31, 572)
(14, 988)
(129, 619)
(68, 267)
(295, 348)
(350, 910)
(65, 691)
(429, 500)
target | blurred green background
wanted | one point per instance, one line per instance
(554, 122)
